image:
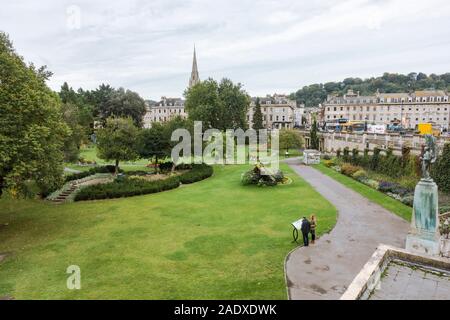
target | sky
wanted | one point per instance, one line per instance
(268, 46)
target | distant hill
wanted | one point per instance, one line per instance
(315, 94)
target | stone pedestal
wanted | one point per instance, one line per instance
(424, 236)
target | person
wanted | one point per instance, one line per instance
(313, 224)
(306, 228)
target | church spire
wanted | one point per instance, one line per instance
(194, 74)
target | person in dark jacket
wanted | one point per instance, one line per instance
(306, 228)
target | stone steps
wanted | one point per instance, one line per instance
(64, 195)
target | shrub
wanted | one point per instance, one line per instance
(90, 172)
(329, 163)
(441, 170)
(372, 183)
(166, 166)
(349, 169)
(256, 176)
(326, 157)
(444, 209)
(279, 176)
(197, 173)
(249, 177)
(127, 186)
(360, 175)
(408, 200)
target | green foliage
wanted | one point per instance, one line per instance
(349, 170)
(261, 176)
(32, 131)
(360, 175)
(92, 171)
(221, 105)
(128, 186)
(257, 116)
(118, 141)
(290, 139)
(315, 94)
(197, 173)
(314, 136)
(441, 169)
(122, 103)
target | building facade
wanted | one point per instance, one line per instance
(164, 110)
(408, 109)
(278, 112)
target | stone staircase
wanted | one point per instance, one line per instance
(62, 197)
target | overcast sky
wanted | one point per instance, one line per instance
(268, 46)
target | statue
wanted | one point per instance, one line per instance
(429, 156)
(424, 234)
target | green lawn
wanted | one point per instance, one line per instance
(214, 239)
(90, 153)
(378, 197)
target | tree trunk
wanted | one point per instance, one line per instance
(156, 164)
(116, 171)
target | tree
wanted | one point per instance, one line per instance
(290, 139)
(314, 137)
(257, 116)
(121, 103)
(220, 106)
(154, 143)
(441, 169)
(118, 141)
(78, 114)
(32, 130)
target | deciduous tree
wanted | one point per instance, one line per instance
(117, 141)
(32, 131)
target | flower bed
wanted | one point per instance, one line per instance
(392, 189)
(128, 186)
(262, 176)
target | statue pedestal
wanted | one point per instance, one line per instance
(424, 234)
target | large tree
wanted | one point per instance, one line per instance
(120, 103)
(218, 105)
(154, 144)
(78, 114)
(32, 131)
(118, 141)
(257, 116)
(290, 139)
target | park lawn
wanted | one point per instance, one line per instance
(214, 239)
(378, 197)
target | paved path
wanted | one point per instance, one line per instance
(324, 270)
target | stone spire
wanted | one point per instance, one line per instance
(194, 74)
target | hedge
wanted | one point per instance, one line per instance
(132, 186)
(90, 172)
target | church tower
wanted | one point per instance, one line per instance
(194, 74)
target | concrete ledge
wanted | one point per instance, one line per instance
(369, 277)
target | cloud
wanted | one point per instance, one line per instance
(266, 45)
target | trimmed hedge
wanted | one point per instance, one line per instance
(129, 186)
(197, 173)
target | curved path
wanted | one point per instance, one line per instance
(324, 270)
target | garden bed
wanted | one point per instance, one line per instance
(133, 185)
